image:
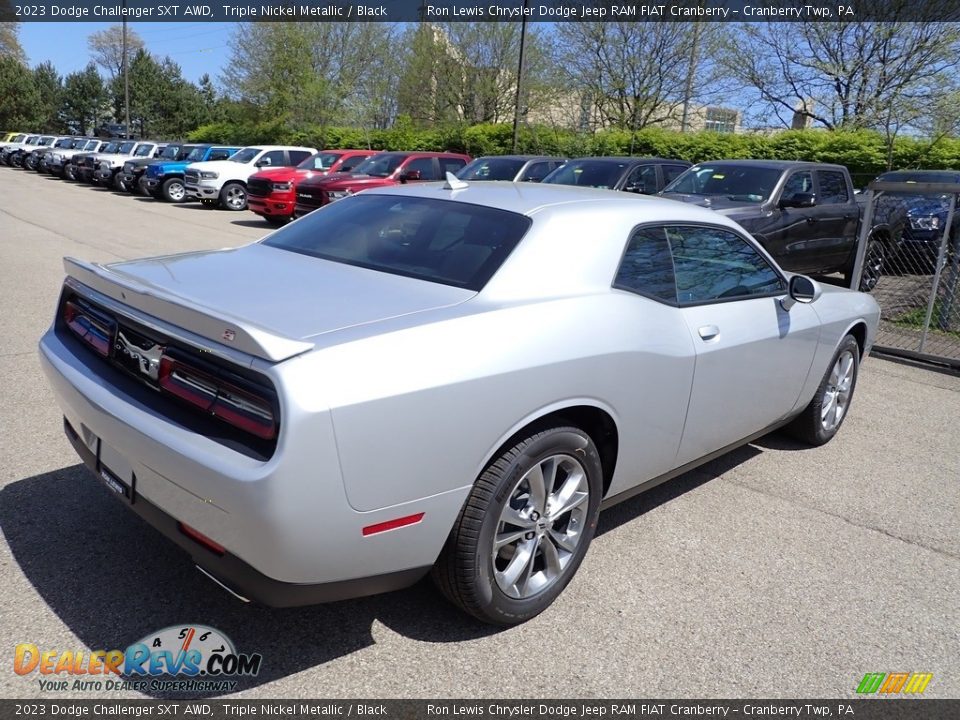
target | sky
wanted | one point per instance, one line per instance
(198, 48)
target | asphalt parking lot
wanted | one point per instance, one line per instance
(776, 571)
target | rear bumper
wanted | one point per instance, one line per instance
(240, 578)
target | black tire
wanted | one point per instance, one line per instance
(874, 263)
(118, 184)
(466, 571)
(173, 190)
(233, 196)
(809, 426)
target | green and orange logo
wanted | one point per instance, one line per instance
(894, 683)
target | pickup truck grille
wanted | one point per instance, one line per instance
(311, 198)
(258, 187)
(192, 177)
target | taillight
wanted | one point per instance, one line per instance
(241, 408)
(90, 326)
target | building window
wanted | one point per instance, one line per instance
(721, 120)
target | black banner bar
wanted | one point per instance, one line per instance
(479, 10)
(893, 708)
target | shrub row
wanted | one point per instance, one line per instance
(865, 153)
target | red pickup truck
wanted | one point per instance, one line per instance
(271, 194)
(387, 168)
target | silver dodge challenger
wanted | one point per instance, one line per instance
(450, 379)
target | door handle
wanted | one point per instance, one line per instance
(709, 332)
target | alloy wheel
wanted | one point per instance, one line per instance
(837, 393)
(540, 526)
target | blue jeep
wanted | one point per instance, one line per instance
(165, 179)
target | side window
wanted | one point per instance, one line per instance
(219, 154)
(276, 158)
(424, 165)
(716, 264)
(298, 156)
(647, 267)
(642, 179)
(799, 182)
(833, 187)
(671, 173)
(351, 162)
(451, 165)
(536, 172)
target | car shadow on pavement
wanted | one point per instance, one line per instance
(633, 508)
(257, 224)
(112, 579)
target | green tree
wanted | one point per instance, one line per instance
(84, 100)
(49, 87)
(18, 95)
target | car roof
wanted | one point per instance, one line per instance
(623, 159)
(531, 198)
(920, 175)
(278, 147)
(772, 164)
(519, 157)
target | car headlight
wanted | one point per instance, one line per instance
(207, 175)
(281, 186)
(339, 194)
(927, 222)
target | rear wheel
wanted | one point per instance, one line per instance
(233, 196)
(173, 190)
(524, 528)
(822, 418)
(118, 183)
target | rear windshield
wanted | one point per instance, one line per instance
(436, 240)
(320, 161)
(491, 169)
(587, 173)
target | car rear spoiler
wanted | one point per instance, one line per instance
(213, 325)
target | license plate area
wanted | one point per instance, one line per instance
(116, 472)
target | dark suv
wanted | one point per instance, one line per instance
(646, 176)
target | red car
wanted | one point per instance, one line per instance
(271, 194)
(387, 168)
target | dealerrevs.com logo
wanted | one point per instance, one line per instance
(180, 658)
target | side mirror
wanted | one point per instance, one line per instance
(801, 290)
(799, 200)
(409, 175)
(263, 162)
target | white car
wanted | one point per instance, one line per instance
(109, 166)
(59, 158)
(449, 379)
(224, 182)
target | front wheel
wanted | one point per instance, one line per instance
(118, 184)
(233, 196)
(173, 190)
(822, 418)
(524, 528)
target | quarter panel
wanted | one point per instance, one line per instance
(421, 411)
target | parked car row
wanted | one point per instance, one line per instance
(806, 215)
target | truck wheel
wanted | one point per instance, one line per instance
(233, 196)
(873, 264)
(118, 184)
(173, 190)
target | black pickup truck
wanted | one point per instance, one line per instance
(805, 214)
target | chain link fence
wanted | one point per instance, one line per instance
(919, 288)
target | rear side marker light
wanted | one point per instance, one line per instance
(240, 408)
(90, 327)
(200, 538)
(392, 524)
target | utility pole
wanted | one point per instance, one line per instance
(516, 106)
(691, 75)
(126, 77)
